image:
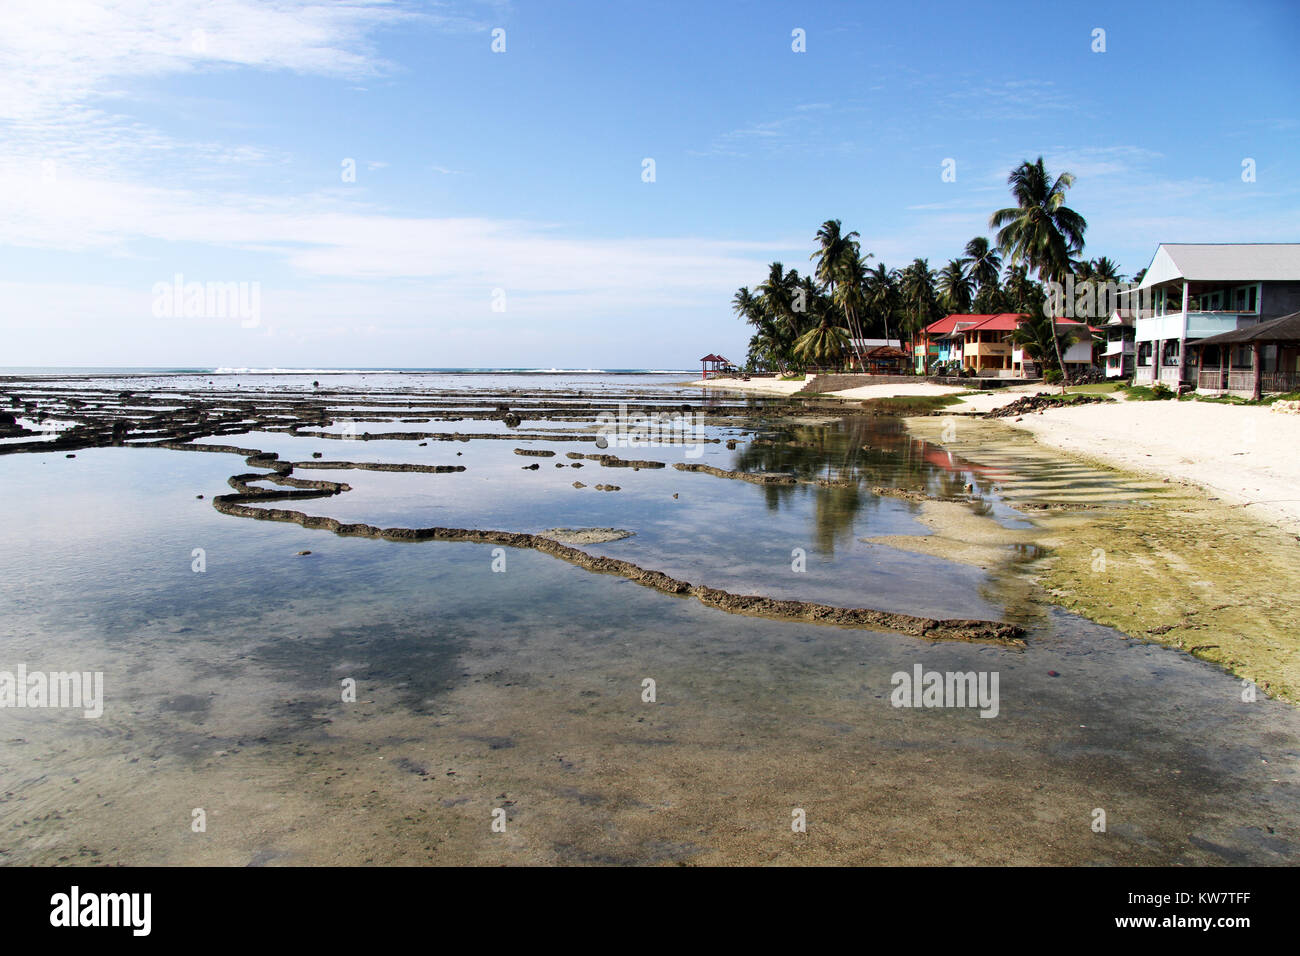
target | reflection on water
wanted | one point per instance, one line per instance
(851, 456)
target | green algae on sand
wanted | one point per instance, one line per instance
(1158, 562)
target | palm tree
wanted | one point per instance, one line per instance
(1020, 292)
(1105, 270)
(1040, 230)
(985, 263)
(956, 286)
(777, 296)
(919, 301)
(745, 305)
(766, 347)
(882, 297)
(1035, 337)
(850, 293)
(825, 343)
(839, 269)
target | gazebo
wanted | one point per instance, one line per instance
(886, 360)
(1256, 359)
(713, 363)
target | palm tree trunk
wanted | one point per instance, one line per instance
(1060, 361)
(855, 330)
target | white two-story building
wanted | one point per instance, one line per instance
(1192, 291)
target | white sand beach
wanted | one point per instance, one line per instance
(761, 384)
(768, 385)
(1244, 455)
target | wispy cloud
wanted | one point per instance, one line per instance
(68, 67)
(974, 98)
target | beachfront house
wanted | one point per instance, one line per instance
(1251, 361)
(879, 356)
(976, 342)
(1079, 357)
(1192, 291)
(982, 344)
(1120, 350)
(986, 345)
(934, 346)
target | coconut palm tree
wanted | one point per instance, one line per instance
(779, 300)
(823, 344)
(1034, 335)
(985, 263)
(1040, 230)
(1105, 270)
(1020, 292)
(745, 305)
(882, 298)
(956, 286)
(768, 348)
(850, 293)
(840, 266)
(920, 304)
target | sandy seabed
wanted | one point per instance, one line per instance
(528, 699)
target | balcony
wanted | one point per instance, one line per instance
(1116, 347)
(1199, 325)
(988, 348)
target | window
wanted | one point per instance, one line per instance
(1144, 353)
(1246, 298)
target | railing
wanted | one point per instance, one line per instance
(1243, 380)
(1171, 375)
(1116, 347)
(1280, 381)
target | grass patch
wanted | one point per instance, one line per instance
(1219, 399)
(1146, 393)
(1097, 388)
(910, 404)
(1239, 400)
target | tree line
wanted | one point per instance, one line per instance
(820, 318)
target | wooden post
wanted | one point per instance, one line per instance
(1182, 336)
(1256, 371)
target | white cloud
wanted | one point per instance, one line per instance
(55, 54)
(68, 67)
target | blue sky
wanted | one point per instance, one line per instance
(499, 216)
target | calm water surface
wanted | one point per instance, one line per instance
(523, 689)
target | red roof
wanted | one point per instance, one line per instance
(1065, 321)
(1001, 322)
(947, 322)
(1005, 321)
